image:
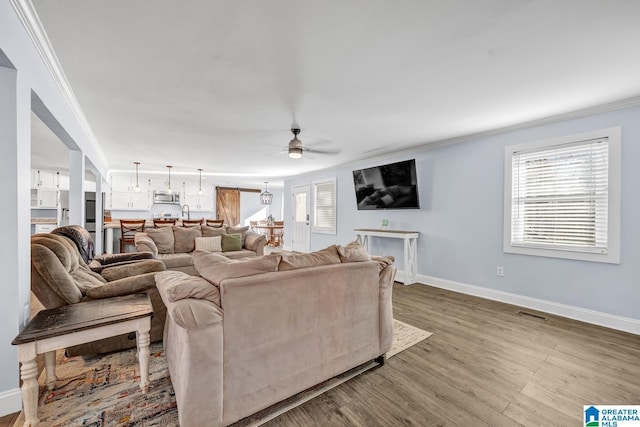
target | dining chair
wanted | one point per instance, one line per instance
(157, 223)
(278, 233)
(128, 229)
(191, 222)
(214, 222)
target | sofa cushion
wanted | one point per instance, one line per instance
(185, 238)
(312, 259)
(163, 238)
(144, 243)
(231, 242)
(209, 244)
(241, 230)
(208, 231)
(353, 252)
(176, 260)
(215, 267)
(177, 285)
(245, 253)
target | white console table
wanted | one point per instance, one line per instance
(410, 247)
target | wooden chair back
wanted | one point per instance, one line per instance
(128, 229)
(191, 222)
(157, 223)
(214, 222)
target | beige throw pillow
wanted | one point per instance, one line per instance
(216, 268)
(208, 231)
(185, 238)
(353, 252)
(163, 238)
(209, 244)
(325, 256)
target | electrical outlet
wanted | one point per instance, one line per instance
(500, 271)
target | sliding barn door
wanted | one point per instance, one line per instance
(228, 206)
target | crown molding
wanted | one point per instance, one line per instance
(32, 24)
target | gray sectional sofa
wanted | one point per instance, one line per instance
(175, 245)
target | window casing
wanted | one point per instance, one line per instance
(562, 197)
(324, 206)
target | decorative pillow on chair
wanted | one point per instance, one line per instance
(163, 238)
(209, 244)
(231, 242)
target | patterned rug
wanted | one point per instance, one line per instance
(104, 391)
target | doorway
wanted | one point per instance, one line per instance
(301, 229)
(228, 205)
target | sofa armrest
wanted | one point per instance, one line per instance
(134, 269)
(144, 243)
(107, 259)
(255, 242)
(126, 286)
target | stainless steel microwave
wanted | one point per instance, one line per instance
(172, 198)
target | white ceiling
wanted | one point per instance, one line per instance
(217, 84)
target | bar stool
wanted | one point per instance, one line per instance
(128, 229)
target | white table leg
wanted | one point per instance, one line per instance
(28, 373)
(410, 261)
(50, 367)
(144, 339)
(109, 241)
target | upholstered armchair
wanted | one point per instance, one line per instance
(82, 239)
(60, 276)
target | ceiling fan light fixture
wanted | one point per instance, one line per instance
(295, 152)
(295, 145)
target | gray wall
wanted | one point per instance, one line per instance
(460, 221)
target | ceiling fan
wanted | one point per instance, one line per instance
(296, 148)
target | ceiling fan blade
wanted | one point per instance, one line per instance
(329, 151)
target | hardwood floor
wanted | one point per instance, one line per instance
(485, 365)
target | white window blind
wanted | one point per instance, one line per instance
(560, 196)
(324, 214)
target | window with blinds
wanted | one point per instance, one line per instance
(560, 197)
(324, 206)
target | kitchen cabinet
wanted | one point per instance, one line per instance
(45, 228)
(129, 200)
(44, 179)
(197, 202)
(44, 198)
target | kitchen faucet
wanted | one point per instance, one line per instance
(187, 210)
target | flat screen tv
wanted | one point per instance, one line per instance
(391, 186)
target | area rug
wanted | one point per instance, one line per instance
(103, 391)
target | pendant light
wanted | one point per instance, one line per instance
(265, 197)
(169, 190)
(200, 187)
(137, 188)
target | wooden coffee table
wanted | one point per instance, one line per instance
(75, 324)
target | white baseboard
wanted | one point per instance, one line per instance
(10, 402)
(612, 321)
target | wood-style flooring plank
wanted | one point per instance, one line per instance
(485, 365)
